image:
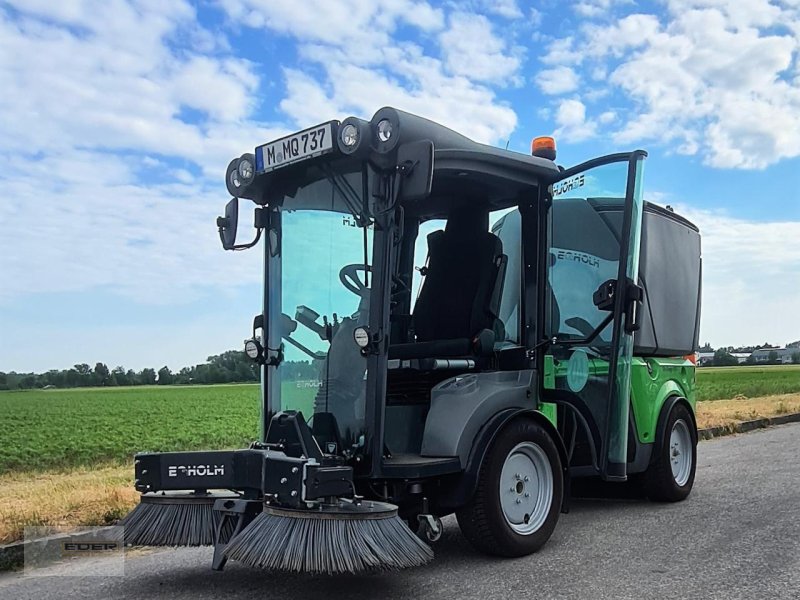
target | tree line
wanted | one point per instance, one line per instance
(229, 367)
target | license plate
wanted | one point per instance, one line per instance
(294, 148)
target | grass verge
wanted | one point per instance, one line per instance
(721, 413)
(75, 497)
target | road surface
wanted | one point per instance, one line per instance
(737, 536)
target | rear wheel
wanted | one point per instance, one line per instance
(517, 502)
(670, 476)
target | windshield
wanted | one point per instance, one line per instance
(325, 257)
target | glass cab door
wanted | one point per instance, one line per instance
(591, 261)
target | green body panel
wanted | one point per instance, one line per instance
(653, 381)
(650, 388)
(548, 409)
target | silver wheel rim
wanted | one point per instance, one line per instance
(680, 452)
(526, 488)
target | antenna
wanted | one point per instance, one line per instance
(507, 143)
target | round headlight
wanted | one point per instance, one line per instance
(252, 348)
(361, 336)
(234, 180)
(384, 129)
(349, 135)
(245, 169)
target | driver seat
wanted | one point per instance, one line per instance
(456, 312)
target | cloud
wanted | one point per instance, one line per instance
(557, 81)
(448, 79)
(715, 77)
(108, 129)
(750, 275)
(572, 123)
(472, 50)
(508, 9)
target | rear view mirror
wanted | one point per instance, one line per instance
(416, 158)
(228, 224)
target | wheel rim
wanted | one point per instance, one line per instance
(526, 488)
(680, 452)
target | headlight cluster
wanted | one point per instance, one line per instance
(358, 137)
(241, 173)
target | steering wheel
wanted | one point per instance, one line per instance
(350, 279)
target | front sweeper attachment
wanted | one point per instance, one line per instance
(342, 537)
(292, 508)
(176, 519)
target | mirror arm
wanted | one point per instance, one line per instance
(245, 246)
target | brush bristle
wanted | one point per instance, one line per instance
(174, 524)
(330, 546)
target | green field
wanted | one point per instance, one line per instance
(44, 429)
(716, 383)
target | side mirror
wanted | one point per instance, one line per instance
(415, 160)
(228, 224)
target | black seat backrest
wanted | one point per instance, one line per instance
(457, 298)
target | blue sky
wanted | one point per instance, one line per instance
(118, 118)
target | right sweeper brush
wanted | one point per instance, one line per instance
(344, 536)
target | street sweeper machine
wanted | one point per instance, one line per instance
(447, 327)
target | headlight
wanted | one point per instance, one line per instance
(361, 337)
(353, 133)
(384, 130)
(349, 135)
(233, 179)
(245, 169)
(253, 349)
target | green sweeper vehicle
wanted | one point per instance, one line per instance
(447, 327)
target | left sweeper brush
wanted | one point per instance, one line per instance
(177, 519)
(282, 505)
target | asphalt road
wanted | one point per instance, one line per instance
(737, 536)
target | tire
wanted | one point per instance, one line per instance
(523, 448)
(662, 482)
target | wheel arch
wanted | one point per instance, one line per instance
(460, 493)
(663, 415)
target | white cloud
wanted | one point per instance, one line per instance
(471, 49)
(90, 121)
(448, 82)
(508, 9)
(607, 117)
(593, 8)
(559, 80)
(749, 268)
(572, 123)
(717, 77)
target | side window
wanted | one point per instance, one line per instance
(421, 254)
(507, 224)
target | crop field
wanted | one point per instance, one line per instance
(717, 383)
(61, 429)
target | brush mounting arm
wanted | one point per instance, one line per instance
(288, 470)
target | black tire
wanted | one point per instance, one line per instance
(658, 481)
(482, 520)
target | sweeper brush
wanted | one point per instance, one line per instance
(338, 538)
(176, 520)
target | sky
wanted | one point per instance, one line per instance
(119, 117)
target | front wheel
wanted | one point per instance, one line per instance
(670, 476)
(517, 502)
